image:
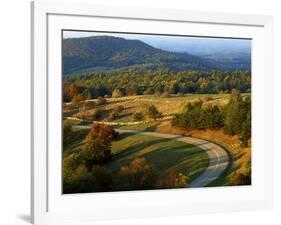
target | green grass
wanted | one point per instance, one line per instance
(163, 154)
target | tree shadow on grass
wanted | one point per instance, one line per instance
(152, 127)
(137, 147)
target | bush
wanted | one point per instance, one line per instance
(91, 115)
(137, 175)
(78, 180)
(138, 116)
(172, 180)
(117, 93)
(153, 113)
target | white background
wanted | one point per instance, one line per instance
(15, 109)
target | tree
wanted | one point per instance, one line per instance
(137, 175)
(77, 99)
(138, 116)
(71, 91)
(245, 133)
(97, 148)
(117, 93)
(131, 89)
(86, 94)
(152, 112)
(237, 118)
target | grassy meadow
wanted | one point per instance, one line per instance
(165, 156)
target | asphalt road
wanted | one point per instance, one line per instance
(219, 159)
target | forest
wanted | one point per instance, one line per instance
(127, 83)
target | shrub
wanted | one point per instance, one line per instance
(152, 112)
(172, 180)
(79, 183)
(168, 182)
(137, 175)
(91, 115)
(138, 116)
(117, 93)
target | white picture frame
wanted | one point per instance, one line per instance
(48, 205)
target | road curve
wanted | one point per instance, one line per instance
(219, 159)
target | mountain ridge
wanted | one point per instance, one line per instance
(101, 53)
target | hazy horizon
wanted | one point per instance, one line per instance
(195, 45)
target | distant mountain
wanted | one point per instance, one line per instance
(229, 54)
(99, 53)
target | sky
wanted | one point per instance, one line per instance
(194, 45)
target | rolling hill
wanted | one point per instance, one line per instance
(101, 53)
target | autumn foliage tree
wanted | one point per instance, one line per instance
(172, 180)
(70, 91)
(97, 148)
(137, 175)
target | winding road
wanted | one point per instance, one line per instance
(219, 158)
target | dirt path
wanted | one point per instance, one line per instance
(219, 159)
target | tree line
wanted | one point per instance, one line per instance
(234, 118)
(126, 83)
